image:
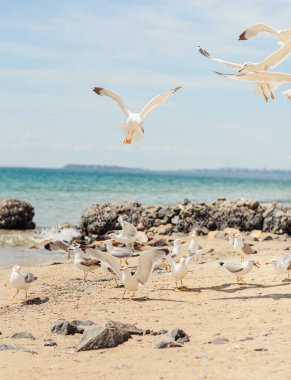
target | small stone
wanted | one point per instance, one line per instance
(246, 338)
(260, 349)
(168, 344)
(267, 237)
(14, 347)
(162, 332)
(219, 340)
(49, 343)
(66, 328)
(22, 335)
(178, 335)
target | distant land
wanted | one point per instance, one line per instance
(222, 173)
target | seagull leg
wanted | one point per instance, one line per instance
(123, 294)
(25, 295)
(126, 262)
(275, 278)
(116, 282)
(265, 96)
(243, 281)
(12, 298)
(85, 275)
(133, 294)
(271, 93)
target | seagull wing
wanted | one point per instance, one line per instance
(233, 65)
(146, 263)
(113, 95)
(199, 252)
(106, 258)
(29, 277)
(89, 262)
(254, 30)
(277, 57)
(128, 229)
(157, 101)
(260, 76)
(234, 268)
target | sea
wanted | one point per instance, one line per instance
(60, 195)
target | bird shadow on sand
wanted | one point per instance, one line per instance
(238, 288)
(35, 301)
(274, 297)
(145, 299)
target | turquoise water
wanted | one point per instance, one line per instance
(60, 195)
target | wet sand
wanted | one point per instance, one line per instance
(255, 319)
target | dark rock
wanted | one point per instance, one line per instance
(23, 335)
(66, 328)
(178, 335)
(16, 215)
(162, 332)
(267, 237)
(49, 343)
(219, 340)
(14, 347)
(102, 337)
(127, 328)
(168, 344)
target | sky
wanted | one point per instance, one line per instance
(54, 52)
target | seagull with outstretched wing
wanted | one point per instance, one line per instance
(131, 281)
(133, 127)
(283, 35)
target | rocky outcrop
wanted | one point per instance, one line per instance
(245, 215)
(16, 215)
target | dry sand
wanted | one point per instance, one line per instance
(254, 318)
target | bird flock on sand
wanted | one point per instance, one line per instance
(114, 261)
(111, 259)
(258, 72)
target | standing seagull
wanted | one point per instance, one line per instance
(131, 281)
(241, 269)
(120, 253)
(240, 246)
(86, 264)
(282, 265)
(283, 35)
(133, 128)
(21, 281)
(129, 234)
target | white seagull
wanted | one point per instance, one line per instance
(179, 270)
(133, 127)
(267, 82)
(240, 269)
(282, 265)
(21, 280)
(283, 35)
(120, 253)
(270, 62)
(129, 233)
(193, 245)
(176, 250)
(131, 281)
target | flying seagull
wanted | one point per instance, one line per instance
(270, 62)
(283, 35)
(133, 127)
(21, 280)
(267, 82)
(128, 234)
(131, 281)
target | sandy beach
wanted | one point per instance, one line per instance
(254, 319)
